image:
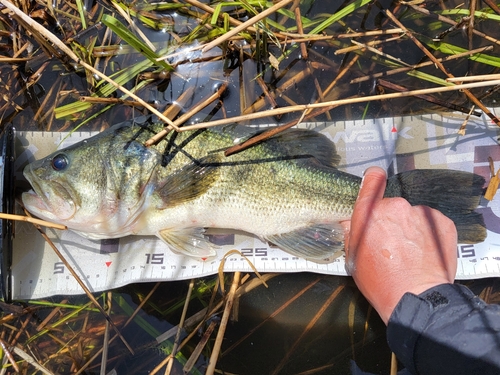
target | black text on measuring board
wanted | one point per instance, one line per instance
(466, 251)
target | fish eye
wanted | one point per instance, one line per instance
(59, 162)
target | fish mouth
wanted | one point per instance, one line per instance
(48, 200)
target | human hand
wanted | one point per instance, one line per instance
(393, 247)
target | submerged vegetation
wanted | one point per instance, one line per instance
(88, 64)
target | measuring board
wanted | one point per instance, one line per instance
(396, 144)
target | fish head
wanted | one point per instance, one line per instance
(96, 186)
(52, 197)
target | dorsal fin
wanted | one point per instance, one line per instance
(308, 142)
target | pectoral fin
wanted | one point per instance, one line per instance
(319, 243)
(188, 241)
(189, 182)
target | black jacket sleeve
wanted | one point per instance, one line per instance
(446, 330)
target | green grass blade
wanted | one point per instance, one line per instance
(81, 11)
(339, 15)
(119, 29)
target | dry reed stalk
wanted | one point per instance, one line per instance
(105, 339)
(442, 67)
(394, 364)
(199, 347)
(211, 10)
(97, 100)
(9, 355)
(205, 313)
(57, 42)
(300, 29)
(29, 359)
(14, 60)
(195, 330)
(223, 324)
(42, 113)
(136, 311)
(192, 111)
(421, 65)
(428, 98)
(261, 137)
(272, 316)
(370, 47)
(309, 326)
(493, 6)
(32, 220)
(451, 22)
(315, 37)
(470, 26)
(303, 107)
(245, 25)
(267, 94)
(133, 26)
(82, 285)
(170, 359)
(49, 317)
(319, 90)
(492, 188)
(258, 104)
(482, 77)
(461, 130)
(342, 73)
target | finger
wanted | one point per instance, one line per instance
(371, 191)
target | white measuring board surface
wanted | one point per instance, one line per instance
(396, 144)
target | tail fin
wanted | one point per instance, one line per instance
(455, 193)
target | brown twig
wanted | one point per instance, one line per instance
(421, 65)
(9, 356)
(258, 104)
(266, 92)
(179, 329)
(136, 311)
(211, 10)
(272, 316)
(32, 220)
(493, 6)
(177, 123)
(461, 131)
(300, 29)
(82, 285)
(394, 364)
(451, 22)
(311, 324)
(259, 138)
(430, 99)
(442, 67)
(97, 100)
(54, 39)
(303, 107)
(199, 347)
(245, 25)
(223, 324)
(482, 77)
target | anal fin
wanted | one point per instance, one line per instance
(321, 243)
(188, 241)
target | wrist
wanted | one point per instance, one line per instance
(386, 306)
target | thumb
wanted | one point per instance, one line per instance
(371, 191)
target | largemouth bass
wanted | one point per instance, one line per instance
(286, 190)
